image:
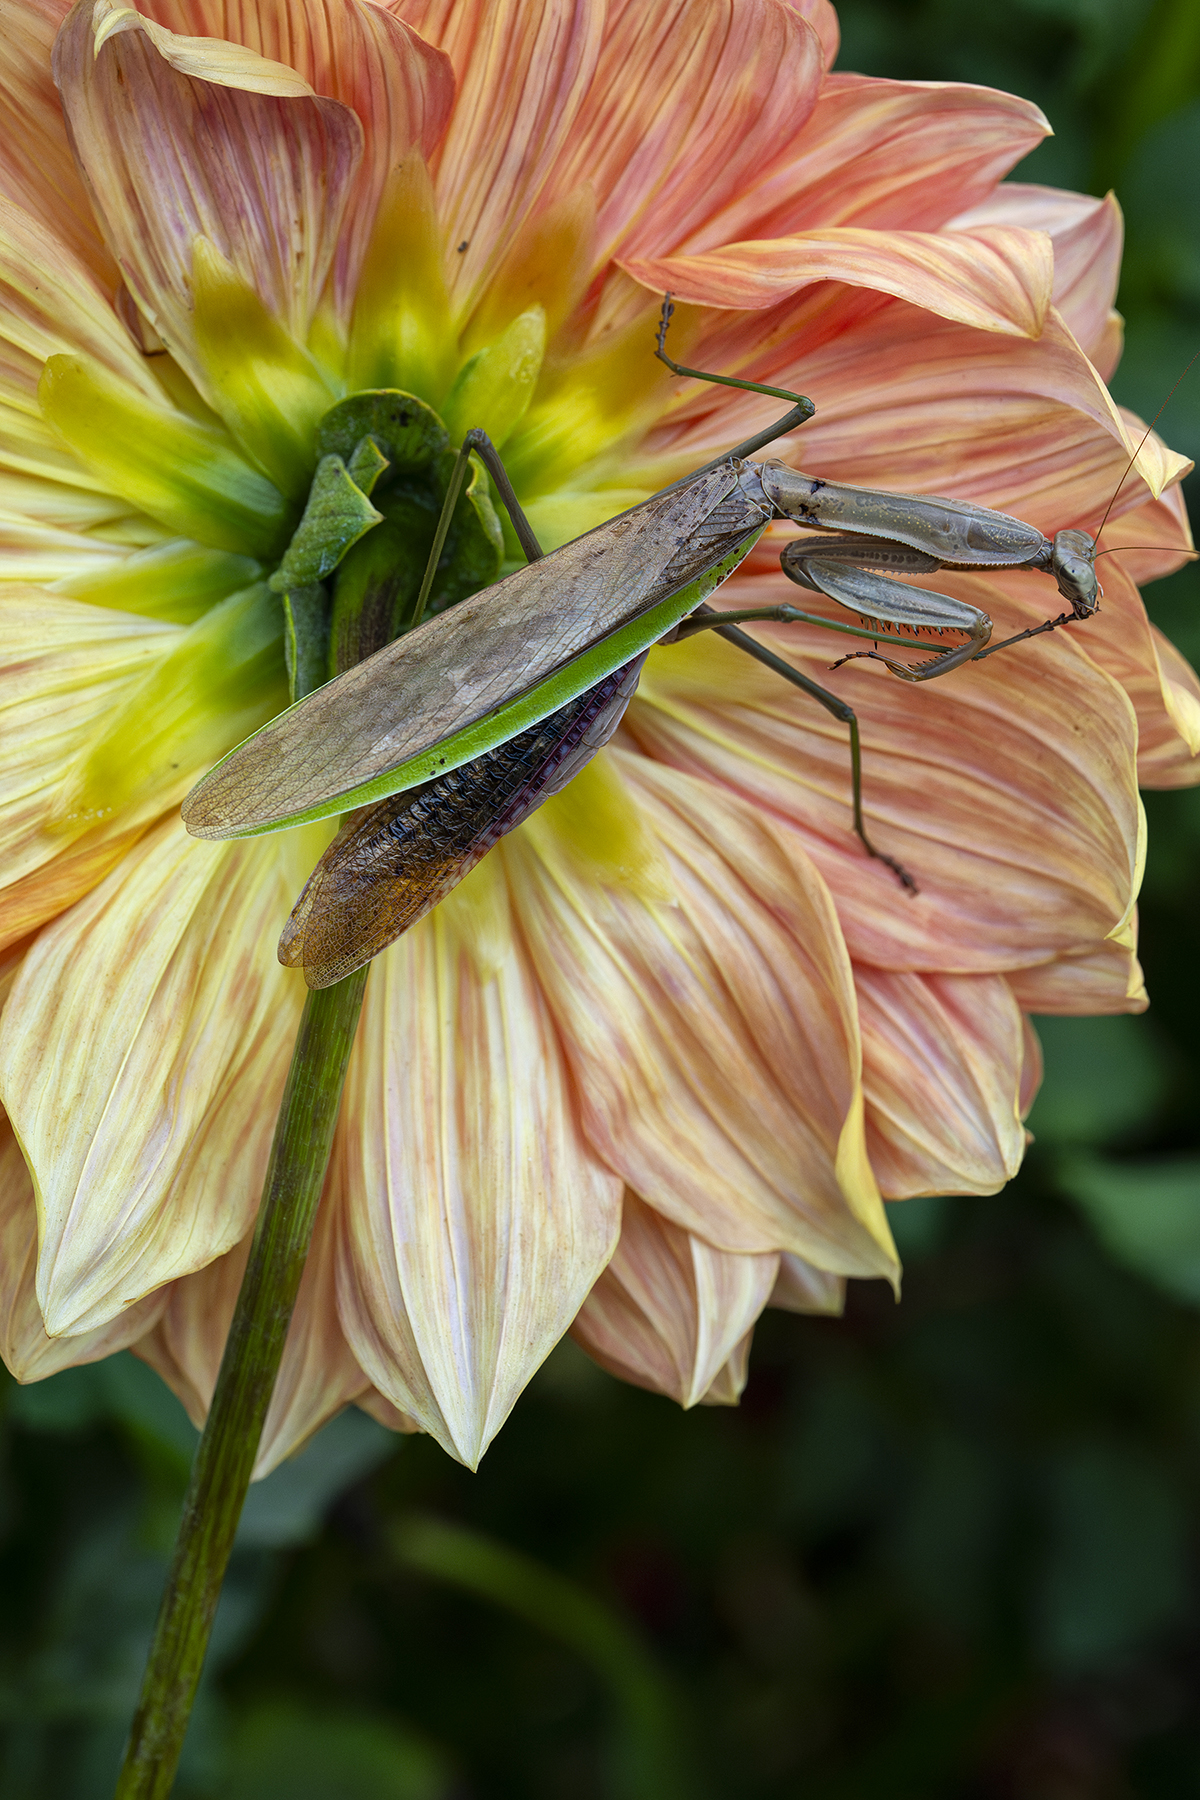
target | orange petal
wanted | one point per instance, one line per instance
(317, 1376)
(670, 1310)
(473, 1217)
(803, 1288)
(183, 137)
(1087, 235)
(689, 103)
(993, 278)
(142, 1054)
(522, 71)
(1107, 979)
(847, 168)
(401, 88)
(27, 1352)
(1007, 789)
(942, 1062)
(63, 668)
(714, 1043)
(36, 168)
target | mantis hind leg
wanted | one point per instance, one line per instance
(846, 715)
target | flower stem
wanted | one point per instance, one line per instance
(226, 1452)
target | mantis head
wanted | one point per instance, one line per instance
(1072, 564)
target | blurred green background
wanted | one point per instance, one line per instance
(943, 1549)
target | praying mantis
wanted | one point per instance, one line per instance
(453, 733)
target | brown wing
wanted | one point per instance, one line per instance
(466, 661)
(399, 859)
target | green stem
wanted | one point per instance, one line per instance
(227, 1449)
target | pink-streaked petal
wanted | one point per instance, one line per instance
(942, 1061)
(37, 170)
(691, 101)
(899, 155)
(179, 138)
(26, 1350)
(994, 278)
(522, 72)
(64, 667)
(142, 1056)
(52, 302)
(1007, 789)
(400, 87)
(822, 16)
(669, 1310)
(1087, 235)
(801, 1287)
(473, 1218)
(317, 1376)
(714, 1042)
(1107, 979)
(900, 398)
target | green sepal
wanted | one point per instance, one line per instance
(306, 627)
(338, 513)
(407, 432)
(526, 709)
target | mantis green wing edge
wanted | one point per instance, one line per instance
(444, 694)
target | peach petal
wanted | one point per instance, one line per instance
(714, 1043)
(900, 395)
(1107, 979)
(383, 1412)
(400, 87)
(179, 138)
(822, 16)
(522, 71)
(51, 301)
(473, 1219)
(1169, 744)
(1031, 1066)
(1153, 537)
(1087, 235)
(942, 1061)
(844, 168)
(26, 1350)
(670, 1310)
(317, 1376)
(1008, 789)
(36, 167)
(730, 1381)
(801, 1287)
(63, 668)
(141, 1060)
(994, 278)
(689, 102)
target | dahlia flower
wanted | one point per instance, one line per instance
(658, 1062)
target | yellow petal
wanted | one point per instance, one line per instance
(670, 1310)
(27, 1352)
(714, 1043)
(474, 1219)
(63, 667)
(142, 1055)
(942, 1062)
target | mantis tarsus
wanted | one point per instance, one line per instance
(450, 741)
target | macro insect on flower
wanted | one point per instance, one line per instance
(658, 1061)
